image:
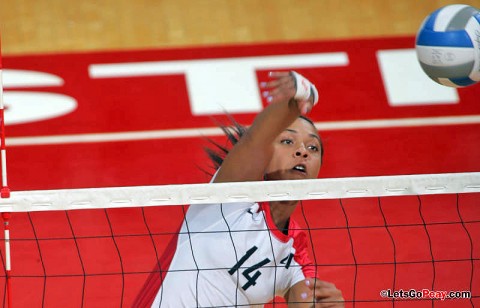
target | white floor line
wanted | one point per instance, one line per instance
(214, 131)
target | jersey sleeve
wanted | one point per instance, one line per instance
(302, 256)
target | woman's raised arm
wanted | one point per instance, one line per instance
(290, 95)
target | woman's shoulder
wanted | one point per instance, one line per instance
(297, 231)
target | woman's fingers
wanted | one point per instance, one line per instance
(279, 89)
(279, 74)
(279, 82)
(283, 87)
(325, 293)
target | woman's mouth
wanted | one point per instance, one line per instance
(300, 168)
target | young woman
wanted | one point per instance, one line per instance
(245, 254)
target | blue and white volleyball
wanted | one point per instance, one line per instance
(448, 45)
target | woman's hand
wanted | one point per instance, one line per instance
(317, 293)
(287, 102)
(325, 294)
(285, 87)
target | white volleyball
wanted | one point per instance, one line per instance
(448, 45)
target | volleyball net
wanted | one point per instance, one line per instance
(384, 241)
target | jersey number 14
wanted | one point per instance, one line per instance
(251, 279)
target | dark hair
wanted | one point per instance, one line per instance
(234, 131)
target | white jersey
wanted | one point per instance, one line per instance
(228, 255)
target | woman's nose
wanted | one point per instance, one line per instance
(301, 151)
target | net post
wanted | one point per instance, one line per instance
(5, 191)
(8, 268)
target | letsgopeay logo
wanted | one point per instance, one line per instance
(425, 294)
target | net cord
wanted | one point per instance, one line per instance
(334, 188)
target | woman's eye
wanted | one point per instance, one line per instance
(313, 148)
(286, 141)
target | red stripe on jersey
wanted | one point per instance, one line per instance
(265, 207)
(299, 240)
(155, 279)
(301, 249)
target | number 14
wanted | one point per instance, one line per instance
(251, 280)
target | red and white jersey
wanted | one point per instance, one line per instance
(229, 255)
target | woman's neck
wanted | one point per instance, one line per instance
(281, 212)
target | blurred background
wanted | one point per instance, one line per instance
(53, 26)
(79, 114)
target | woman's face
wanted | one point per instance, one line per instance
(296, 154)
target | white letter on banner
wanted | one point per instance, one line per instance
(406, 83)
(28, 106)
(216, 86)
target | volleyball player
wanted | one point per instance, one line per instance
(243, 254)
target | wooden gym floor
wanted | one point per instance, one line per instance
(52, 26)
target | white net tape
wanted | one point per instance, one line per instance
(117, 197)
